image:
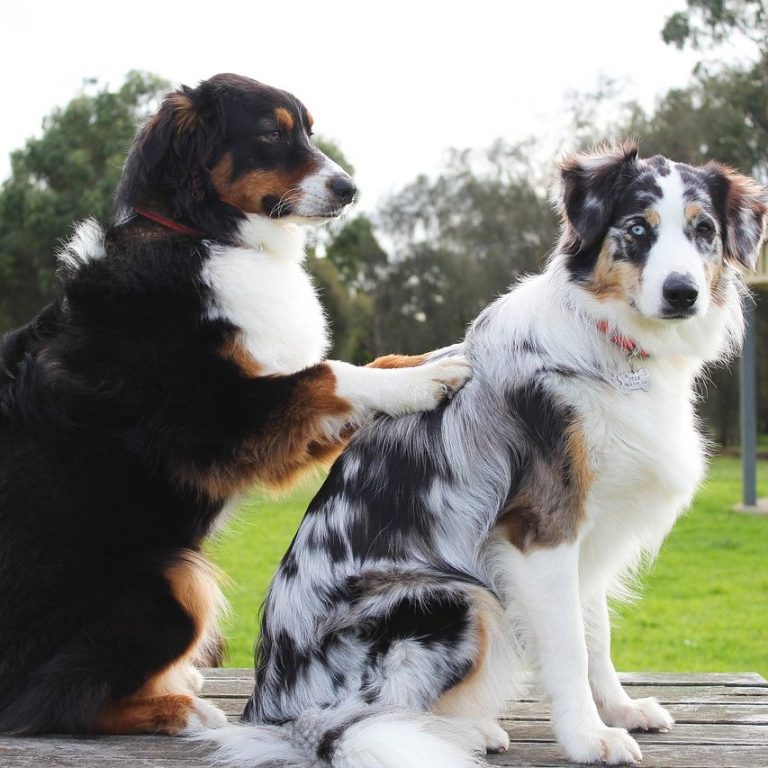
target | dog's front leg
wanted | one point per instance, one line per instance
(397, 385)
(546, 581)
(410, 361)
(615, 706)
(441, 373)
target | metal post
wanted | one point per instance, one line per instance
(748, 407)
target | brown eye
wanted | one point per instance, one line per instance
(705, 229)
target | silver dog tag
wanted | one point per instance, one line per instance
(633, 381)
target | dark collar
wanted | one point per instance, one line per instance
(174, 226)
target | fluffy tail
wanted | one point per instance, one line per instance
(353, 737)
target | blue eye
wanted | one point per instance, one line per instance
(638, 230)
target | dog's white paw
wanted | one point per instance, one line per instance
(399, 391)
(475, 734)
(495, 738)
(638, 715)
(203, 716)
(426, 386)
(611, 746)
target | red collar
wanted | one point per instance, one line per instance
(175, 226)
(630, 346)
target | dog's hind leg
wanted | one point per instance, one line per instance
(439, 650)
(478, 699)
(127, 669)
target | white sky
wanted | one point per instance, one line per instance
(395, 83)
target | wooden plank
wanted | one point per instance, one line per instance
(228, 673)
(238, 688)
(693, 678)
(628, 678)
(654, 756)
(691, 694)
(722, 714)
(668, 696)
(231, 707)
(93, 752)
(735, 714)
(682, 733)
(161, 752)
(722, 723)
(122, 761)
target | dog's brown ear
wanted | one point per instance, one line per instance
(170, 154)
(589, 182)
(187, 115)
(177, 134)
(742, 206)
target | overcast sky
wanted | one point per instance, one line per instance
(394, 83)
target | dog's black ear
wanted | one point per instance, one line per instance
(170, 154)
(589, 184)
(742, 206)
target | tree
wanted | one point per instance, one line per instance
(709, 23)
(360, 264)
(460, 240)
(342, 277)
(67, 174)
(722, 115)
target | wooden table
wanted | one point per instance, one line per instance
(722, 722)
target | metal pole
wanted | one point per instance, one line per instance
(748, 407)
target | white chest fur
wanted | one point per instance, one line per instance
(263, 290)
(647, 460)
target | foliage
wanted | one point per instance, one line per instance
(411, 277)
(66, 174)
(348, 278)
(702, 604)
(460, 240)
(708, 23)
(722, 115)
(349, 314)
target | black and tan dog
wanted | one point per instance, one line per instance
(182, 363)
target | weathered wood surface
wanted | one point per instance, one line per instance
(722, 722)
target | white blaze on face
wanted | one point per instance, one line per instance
(317, 197)
(673, 252)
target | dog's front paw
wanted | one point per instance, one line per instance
(638, 715)
(432, 383)
(201, 717)
(452, 373)
(611, 746)
(495, 738)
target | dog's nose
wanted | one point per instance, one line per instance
(680, 291)
(343, 188)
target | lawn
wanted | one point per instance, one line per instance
(704, 604)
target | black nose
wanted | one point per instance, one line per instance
(343, 187)
(680, 291)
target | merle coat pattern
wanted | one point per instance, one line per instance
(448, 551)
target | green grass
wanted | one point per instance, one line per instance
(705, 601)
(248, 552)
(704, 605)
